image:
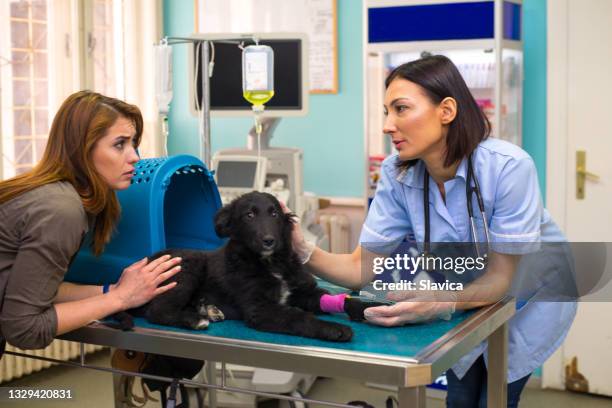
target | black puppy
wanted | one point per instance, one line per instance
(256, 277)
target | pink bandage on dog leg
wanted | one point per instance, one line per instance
(333, 303)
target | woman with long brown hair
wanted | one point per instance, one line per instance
(46, 212)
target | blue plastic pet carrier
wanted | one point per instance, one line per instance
(170, 204)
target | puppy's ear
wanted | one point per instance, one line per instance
(223, 221)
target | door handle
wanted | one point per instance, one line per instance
(582, 174)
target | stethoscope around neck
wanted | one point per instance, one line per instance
(469, 190)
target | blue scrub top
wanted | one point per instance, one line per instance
(517, 222)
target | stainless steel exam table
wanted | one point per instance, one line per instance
(409, 357)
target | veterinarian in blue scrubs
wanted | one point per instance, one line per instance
(437, 127)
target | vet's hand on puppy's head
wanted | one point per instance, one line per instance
(289, 214)
(302, 248)
(140, 282)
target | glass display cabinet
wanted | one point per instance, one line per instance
(483, 38)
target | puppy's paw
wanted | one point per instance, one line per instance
(214, 314)
(354, 308)
(124, 319)
(335, 332)
(201, 324)
(201, 307)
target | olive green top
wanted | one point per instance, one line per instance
(40, 233)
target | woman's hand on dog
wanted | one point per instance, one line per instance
(301, 247)
(140, 282)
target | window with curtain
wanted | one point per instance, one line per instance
(102, 48)
(45, 55)
(25, 83)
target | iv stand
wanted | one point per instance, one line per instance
(204, 118)
(205, 104)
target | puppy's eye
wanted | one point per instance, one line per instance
(250, 215)
(274, 213)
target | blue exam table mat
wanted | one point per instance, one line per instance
(404, 341)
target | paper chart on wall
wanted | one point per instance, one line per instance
(276, 16)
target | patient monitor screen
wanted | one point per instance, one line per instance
(236, 173)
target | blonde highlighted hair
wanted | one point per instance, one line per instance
(82, 120)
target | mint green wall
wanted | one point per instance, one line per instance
(179, 22)
(331, 135)
(534, 94)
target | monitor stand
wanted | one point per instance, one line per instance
(268, 125)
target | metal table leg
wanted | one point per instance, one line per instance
(116, 391)
(211, 372)
(411, 397)
(116, 383)
(497, 387)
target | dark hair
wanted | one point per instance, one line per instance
(440, 79)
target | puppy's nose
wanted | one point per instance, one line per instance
(268, 241)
